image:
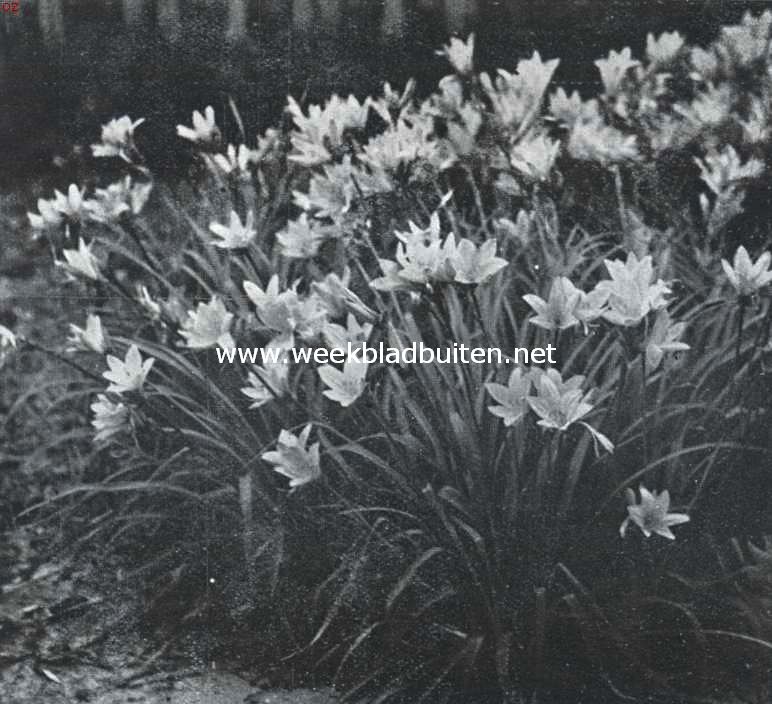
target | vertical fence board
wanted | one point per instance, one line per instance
(236, 24)
(51, 22)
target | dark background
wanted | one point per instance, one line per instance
(68, 66)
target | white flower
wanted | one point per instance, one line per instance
(534, 156)
(331, 194)
(51, 213)
(402, 144)
(81, 261)
(512, 397)
(7, 338)
(475, 265)
(293, 459)
(301, 239)
(721, 170)
(748, 41)
(652, 514)
(613, 69)
(128, 374)
(631, 293)
(459, 53)
(591, 307)
(662, 50)
(118, 198)
(663, 338)
(146, 301)
(237, 160)
(338, 337)
(345, 386)
(7, 343)
(117, 138)
(557, 312)
(559, 404)
(70, 205)
(109, 418)
(92, 339)
(745, 276)
(286, 312)
(339, 299)
(47, 215)
(208, 326)
(236, 235)
(517, 97)
(269, 381)
(573, 109)
(597, 141)
(204, 127)
(324, 127)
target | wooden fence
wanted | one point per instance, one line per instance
(51, 17)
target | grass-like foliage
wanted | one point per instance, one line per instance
(440, 532)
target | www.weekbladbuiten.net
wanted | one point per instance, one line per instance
(414, 353)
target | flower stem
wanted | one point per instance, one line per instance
(61, 358)
(644, 408)
(480, 318)
(740, 324)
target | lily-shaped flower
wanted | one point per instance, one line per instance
(235, 235)
(652, 514)
(81, 261)
(7, 338)
(47, 216)
(152, 307)
(402, 144)
(663, 338)
(722, 170)
(208, 326)
(591, 307)
(120, 197)
(338, 337)
(128, 374)
(110, 418)
(631, 293)
(421, 262)
(237, 160)
(422, 235)
(345, 386)
(204, 127)
(92, 339)
(534, 156)
(459, 53)
(473, 264)
(559, 404)
(269, 381)
(557, 312)
(7, 343)
(70, 205)
(293, 459)
(512, 397)
(286, 312)
(301, 239)
(339, 299)
(516, 97)
(746, 277)
(572, 109)
(117, 138)
(331, 194)
(324, 126)
(596, 141)
(663, 49)
(614, 69)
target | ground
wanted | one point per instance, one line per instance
(61, 641)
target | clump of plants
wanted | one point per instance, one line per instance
(436, 532)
